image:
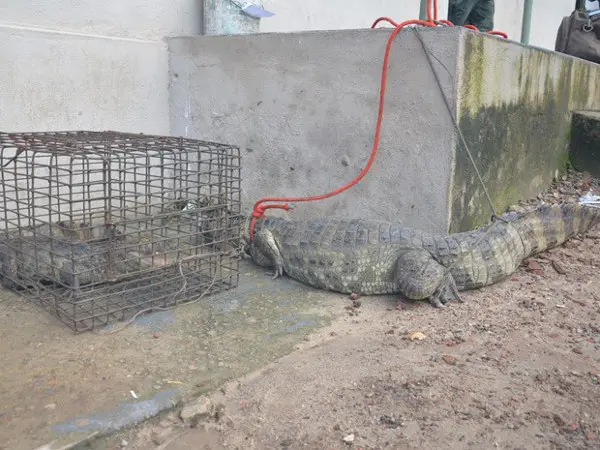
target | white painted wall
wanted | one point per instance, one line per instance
(55, 81)
(341, 14)
(155, 19)
(142, 19)
(546, 18)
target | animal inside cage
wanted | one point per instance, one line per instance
(98, 226)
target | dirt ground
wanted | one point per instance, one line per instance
(516, 366)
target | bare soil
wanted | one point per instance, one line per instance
(516, 366)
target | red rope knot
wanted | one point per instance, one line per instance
(258, 212)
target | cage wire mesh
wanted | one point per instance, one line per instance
(98, 226)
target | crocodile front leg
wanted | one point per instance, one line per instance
(419, 276)
(265, 252)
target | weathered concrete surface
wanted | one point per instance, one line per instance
(304, 105)
(53, 81)
(140, 19)
(60, 386)
(514, 109)
(585, 142)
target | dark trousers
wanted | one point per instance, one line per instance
(479, 13)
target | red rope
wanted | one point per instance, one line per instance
(432, 13)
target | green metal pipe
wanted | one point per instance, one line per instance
(423, 10)
(526, 25)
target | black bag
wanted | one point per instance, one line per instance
(579, 34)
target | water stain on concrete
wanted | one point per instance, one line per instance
(126, 414)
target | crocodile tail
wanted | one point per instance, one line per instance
(549, 226)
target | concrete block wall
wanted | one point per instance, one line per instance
(304, 107)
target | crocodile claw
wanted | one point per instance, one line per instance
(437, 302)
(278, 272)
(446, 293)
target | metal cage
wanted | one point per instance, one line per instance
(98, 226)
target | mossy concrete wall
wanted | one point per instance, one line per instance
(514, 109)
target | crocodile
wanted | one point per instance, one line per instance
(77, 254)
(27, 261)
(33, 258)
(370, 257)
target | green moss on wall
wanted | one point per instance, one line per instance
(517, 151)
(518, 139)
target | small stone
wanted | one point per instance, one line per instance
(124, 443)
(202, 407)
(417, 336)
(160, 436)
(349, 439)
(589, 434)
(354, 296)
(155, 335)
(559, 420)
(558, 267)
(577, 350)
(449, 359)
(345, 161)
(534, 266)
(50, 406)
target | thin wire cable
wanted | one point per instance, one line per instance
(428, 54)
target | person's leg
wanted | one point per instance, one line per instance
(482, 15)
(459, 11)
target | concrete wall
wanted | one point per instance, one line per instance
(52, 81)
(304, 106)
(514, 109)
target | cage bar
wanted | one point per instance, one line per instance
(98, 226)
